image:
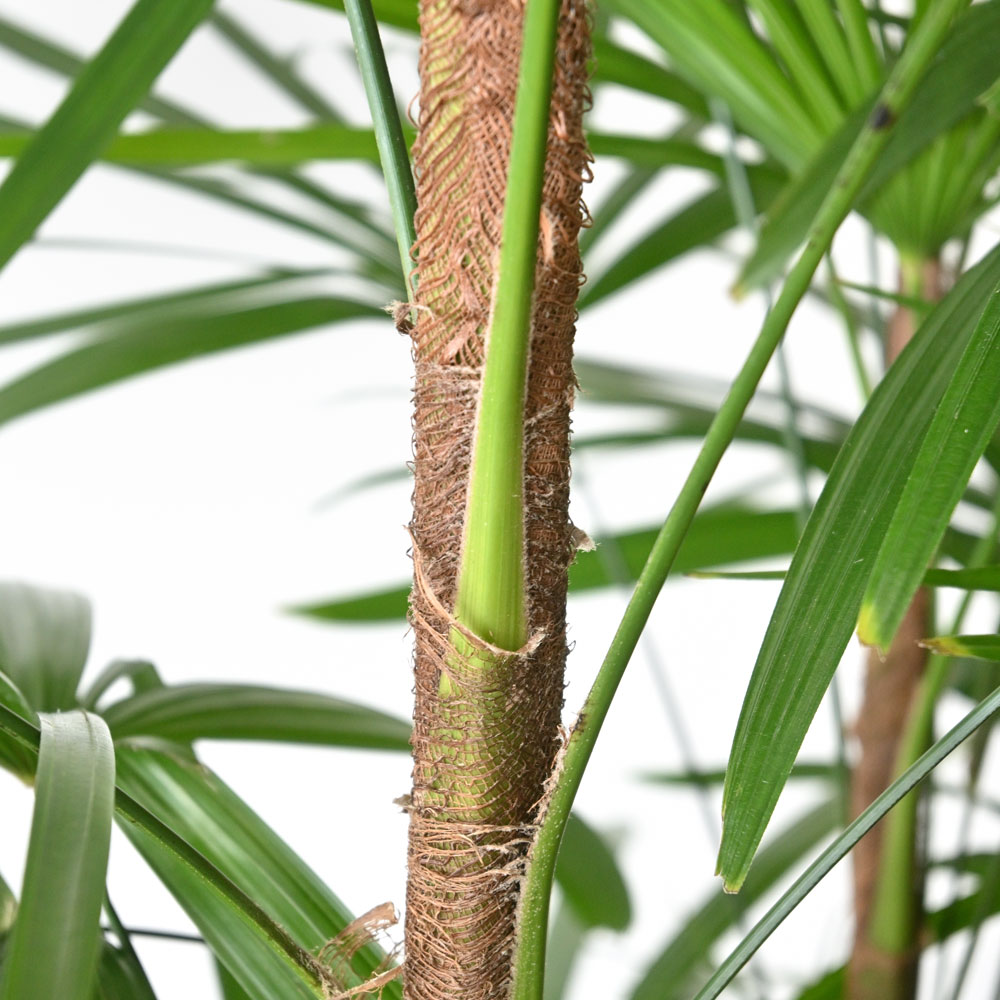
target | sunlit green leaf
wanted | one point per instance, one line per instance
(980, 647)
(59, 913)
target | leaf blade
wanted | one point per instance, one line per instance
(959, 432)
(109, 86)
(831, 567)
(59, 912)
(185, 712)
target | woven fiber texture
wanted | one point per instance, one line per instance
(484, 740)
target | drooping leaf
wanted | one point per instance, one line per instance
(200, 808)
(669, 977)
(980, 647)
(186, 712)
(111, 84)
(55, 943)
(260, 950)
(44, 641)
(839, 849)
(141, 674)
(142, 347)
(717, 537)
(961, 427)
(819, 601)
(146, 307)
(590, 880)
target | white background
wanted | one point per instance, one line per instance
(188, 505)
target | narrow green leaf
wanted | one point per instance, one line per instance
(280, 71)
(44, 641)
(186, 712)
(45, 53)
(670, 975)
(8, 907)
(964, 69)
(695, 226)
(121, 977)
(958, 434)
(176, 147)
(389, 138)
(108, 88)
(231, 990)
(215, 822)
(711, 45)
(55, 943)
(706, 779)
(614, 64)
(980, 647)
(590, 880)
(794, 46)
(141, 674)
(13, 756)
(717, 537)
(841, 847)
(819, 602)
(147, 307)
(141, 347)
(974, 578)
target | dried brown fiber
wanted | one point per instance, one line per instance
(483, 750)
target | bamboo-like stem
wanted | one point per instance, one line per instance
(530, 956)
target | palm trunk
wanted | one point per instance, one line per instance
(877, 970)
(486, 722)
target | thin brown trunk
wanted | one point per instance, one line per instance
(889, 689)
(484, 738)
